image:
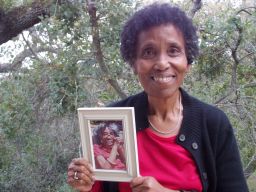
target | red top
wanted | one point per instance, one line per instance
(162, 158)
(98, 150)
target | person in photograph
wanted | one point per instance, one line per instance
(108, 148)
(183, 143)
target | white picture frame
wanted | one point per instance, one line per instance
(123, 122)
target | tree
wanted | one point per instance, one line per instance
(14, 21)
(56, 71)
(71, 59)
(227, 71)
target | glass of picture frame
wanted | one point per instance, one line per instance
(108, 138)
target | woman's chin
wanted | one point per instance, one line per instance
(163, 94)
(110, 143)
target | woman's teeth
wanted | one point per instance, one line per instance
(163, 79)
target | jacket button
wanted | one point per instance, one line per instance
(182, 137)
(205, 175)
(195, 145)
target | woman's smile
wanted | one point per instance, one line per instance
(108, 137)
(168, 79)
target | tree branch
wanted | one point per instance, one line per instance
(32, 51)
(98, 51)
(253, 84)
(197, 4)
(251, 167)
(245, 10)
(223, 97)
(17, 62)
(247, 55)
(234, 55)
(20, 18)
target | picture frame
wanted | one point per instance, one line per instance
(109, 143)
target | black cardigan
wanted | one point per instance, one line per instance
(207, 134)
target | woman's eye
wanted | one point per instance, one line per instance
(148, 53)
(174, 51)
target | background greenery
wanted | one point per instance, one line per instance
(39, 132)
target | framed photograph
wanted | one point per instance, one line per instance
(108, 138)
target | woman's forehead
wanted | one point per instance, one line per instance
(107, 129)
(168, 32)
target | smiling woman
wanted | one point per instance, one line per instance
(161, 66)
(108, 148)
(161, 63)
(183, 144)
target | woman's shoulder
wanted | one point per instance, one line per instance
(198, 103)
(211, 120)
(210, 112)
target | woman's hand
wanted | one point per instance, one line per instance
(120, 148)
(148, 184)
(119, 140)
(80, 175)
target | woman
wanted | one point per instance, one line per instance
(108, 150)
(193, 143)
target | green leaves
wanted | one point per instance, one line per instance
(39, 132)
(225, 72)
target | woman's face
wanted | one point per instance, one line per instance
(161, 62)
(108, 137)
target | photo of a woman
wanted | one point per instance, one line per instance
(108, 146)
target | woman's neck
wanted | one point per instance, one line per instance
(164, 107)
(165, 115)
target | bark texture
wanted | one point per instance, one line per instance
(197, 4)
(20, 18)
(98, 51)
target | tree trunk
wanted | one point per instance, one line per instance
(98, 51)
(20, 18)
(197, 4)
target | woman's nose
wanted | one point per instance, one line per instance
(162, 63)
(109, 134)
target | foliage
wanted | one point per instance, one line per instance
(38, 123)
(226, 68)
(6, 5)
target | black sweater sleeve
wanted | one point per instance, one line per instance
(229, 171)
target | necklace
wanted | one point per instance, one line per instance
(167, 132)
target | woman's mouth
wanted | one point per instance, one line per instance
(165, 79)
(110, 141)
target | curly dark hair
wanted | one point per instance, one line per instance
(155, 15)
(100, 130)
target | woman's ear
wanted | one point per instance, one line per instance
(134, 68)
(188, 68)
